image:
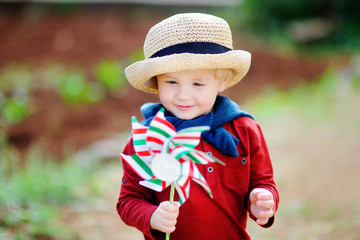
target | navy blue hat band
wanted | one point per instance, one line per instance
(192, 47)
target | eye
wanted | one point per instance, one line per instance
(197, 84)
(171, 82)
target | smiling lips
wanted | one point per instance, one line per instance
(184, 108)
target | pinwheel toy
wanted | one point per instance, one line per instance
(165, 157)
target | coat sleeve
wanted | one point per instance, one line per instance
(261, 170)
(133, 204)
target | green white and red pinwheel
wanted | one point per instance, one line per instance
(165, 157)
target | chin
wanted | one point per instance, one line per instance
(187, 116)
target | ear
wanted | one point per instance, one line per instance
(222, 84)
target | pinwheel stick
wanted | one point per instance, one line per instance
(172, 193)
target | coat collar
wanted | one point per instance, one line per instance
(224, 111)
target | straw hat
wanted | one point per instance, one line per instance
(187, 41)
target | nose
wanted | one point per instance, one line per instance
(183, 93)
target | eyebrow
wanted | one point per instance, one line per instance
(164, 75)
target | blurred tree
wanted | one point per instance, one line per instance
(326, 22)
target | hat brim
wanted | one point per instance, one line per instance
(140, 73)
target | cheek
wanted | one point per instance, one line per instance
(162, 96)
(206, 100)
(165, 95)
(162, 90)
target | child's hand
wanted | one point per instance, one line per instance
(164, 217)
(262, 203)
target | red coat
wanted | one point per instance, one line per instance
(201, 217)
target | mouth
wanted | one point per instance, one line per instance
(184, 108)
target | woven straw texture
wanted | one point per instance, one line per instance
(184, 28)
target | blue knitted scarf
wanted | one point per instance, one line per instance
(224, 111)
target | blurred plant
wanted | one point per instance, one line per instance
(16, 76)
(315, 25)
(73, 88)
(32, 193)
(111, 75)
(18, 83)
(50, 75)
(135, 56)
(66, 8)
(14, 109)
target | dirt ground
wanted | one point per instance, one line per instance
(35, 35)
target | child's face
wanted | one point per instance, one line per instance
(189, 94)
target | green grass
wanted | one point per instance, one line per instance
(34, 191)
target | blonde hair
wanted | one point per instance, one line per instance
(220, 75)
(224, 74)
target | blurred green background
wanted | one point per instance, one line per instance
(65, 108)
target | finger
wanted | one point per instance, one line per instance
(265, 214)
(163, 224)
(170, 229)
(168, 222)
(169, 207)
(167, 229)
(166, 225)
(168, 211)
(164, 205)
(254, 194)
(266, 195)
(269, 204)
(177, 204)
(262, 221)
(169, 215)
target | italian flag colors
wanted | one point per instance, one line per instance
(160, 137)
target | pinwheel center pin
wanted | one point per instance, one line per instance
(165, 167)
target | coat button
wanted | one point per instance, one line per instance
(210, 169)
(243, 161)
(209, 153)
